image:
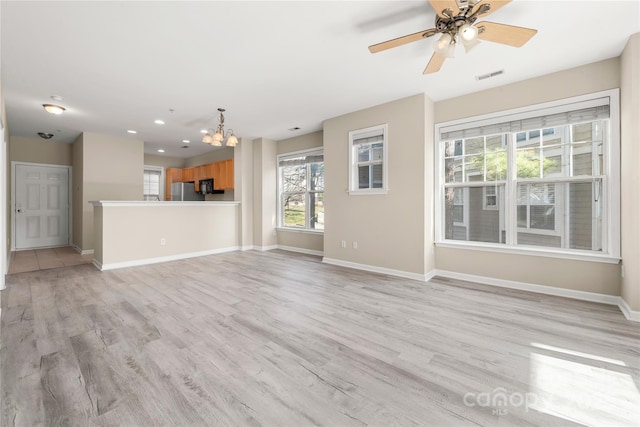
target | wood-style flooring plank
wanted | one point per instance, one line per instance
(281, 339)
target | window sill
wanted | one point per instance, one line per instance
(377, 191)
(300, 230)
(531, 251)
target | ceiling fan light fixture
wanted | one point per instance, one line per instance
(470, 45)
(443, 44)
(468, 33)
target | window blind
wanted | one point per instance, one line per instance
(300, 160)
(587, 111)
(369, 139)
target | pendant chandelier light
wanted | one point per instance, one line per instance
(217, 137)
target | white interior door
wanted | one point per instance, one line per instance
(41, 206)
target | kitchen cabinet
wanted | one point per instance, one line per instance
(171, 175)
(200, 172)
(188, 174)
(227, 174)
(221, 172)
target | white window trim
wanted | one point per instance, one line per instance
(280, 213)
(353, 176)
(162, 178)
(611, 180)
(485, 205)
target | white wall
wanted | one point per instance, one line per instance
(265, 193)
(105, 168)
(134, 233)
(390, 229)
(243, 189)
(5, 242)
(630, 156)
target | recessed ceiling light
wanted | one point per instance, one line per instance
(158, 122)
(185, 146)
(45, 135)
(186, 141)
(293, 129)
(160, 150)
(57, 97)
(53, 109)
(132, 131)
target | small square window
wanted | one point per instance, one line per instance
(368, 160)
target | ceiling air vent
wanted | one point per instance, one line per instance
(489, 75)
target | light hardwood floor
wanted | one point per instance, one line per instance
(280, 339)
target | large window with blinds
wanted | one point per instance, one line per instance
(301, 190)
(368, 160)
(544, 178)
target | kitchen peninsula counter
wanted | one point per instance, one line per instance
(130, 233)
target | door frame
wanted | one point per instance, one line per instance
(13, 197)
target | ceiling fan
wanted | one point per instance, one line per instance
(456, 21)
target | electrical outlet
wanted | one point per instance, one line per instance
(355, 244)
(163, 241)
(343, 243)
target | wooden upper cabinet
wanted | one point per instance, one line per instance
(188, 174)
(210, 170)
(228, 172)
(172, 175)
(218, 177)
(199, 172)
(221, 172)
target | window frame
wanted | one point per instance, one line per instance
(371, 131)
(280, 210)
(162, 179)
(609, 181)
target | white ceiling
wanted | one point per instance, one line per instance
(273, 65)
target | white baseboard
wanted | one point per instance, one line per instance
(147, 261)
(510, 284)
(541, 289)
(247, 248)
(547, 290)
(82, 252)
(265, 248)
(628, 313)
(375, 269)
(301, 250)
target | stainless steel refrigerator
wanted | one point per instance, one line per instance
(184, 191)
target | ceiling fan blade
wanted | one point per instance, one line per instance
(439, 6)
(435, 63)
(402, 40)
(494, 5)
(505, 34)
